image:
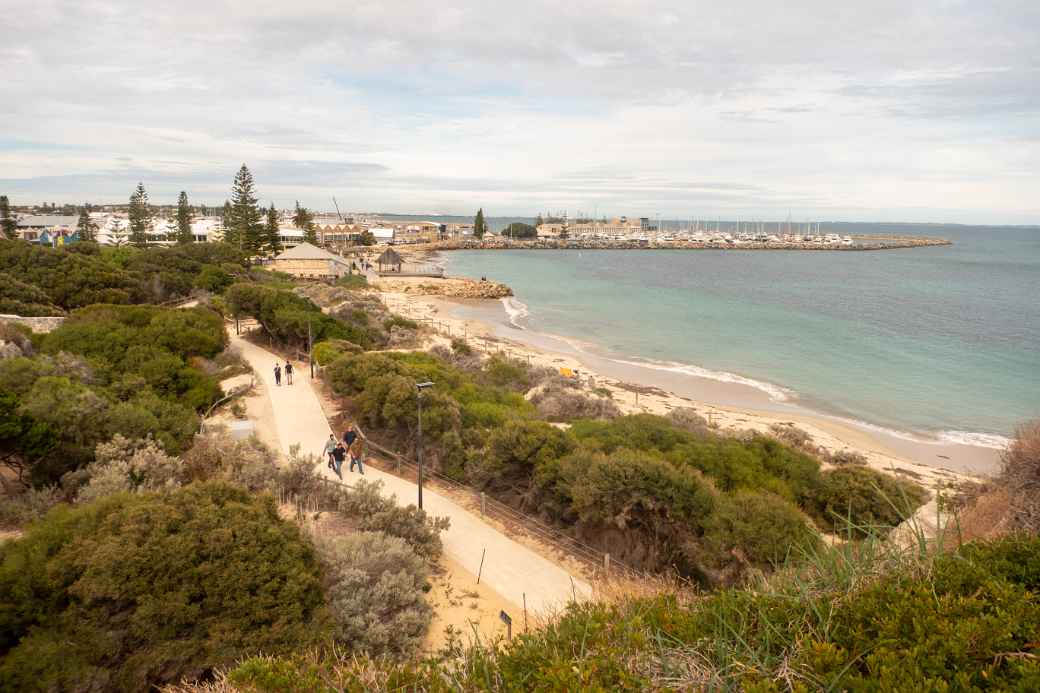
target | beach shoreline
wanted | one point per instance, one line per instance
(730, 406)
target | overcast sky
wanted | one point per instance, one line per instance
(889, 110)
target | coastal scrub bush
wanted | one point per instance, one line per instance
(123, 465)
(331, 349)
(68, 279)
(292, 319)
(634, 505)
(352, 282)
(137, 590)
(374, 512)
(19, 298)
(560, 402)
(753, 463)
(516, 454)
(861, 500)
(375, 587)
(965, 621)
(759, 530)
(968, 624)
(19, 507)
(217, 457)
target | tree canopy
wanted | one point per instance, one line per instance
(518, 229)
(246, 226)
(8, 225)
(184, 218)
(140, 217)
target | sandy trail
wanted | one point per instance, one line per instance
(512, 570)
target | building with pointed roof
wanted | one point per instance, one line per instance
(310, 262)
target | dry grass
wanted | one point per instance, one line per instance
(620, 589)
(1020, 477)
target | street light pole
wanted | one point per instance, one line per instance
(310, 347)
(419, 387)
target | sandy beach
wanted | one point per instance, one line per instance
(728, 406)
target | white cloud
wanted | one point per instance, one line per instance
(864, 110)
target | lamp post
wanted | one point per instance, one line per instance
(310, 347)
(419, 387)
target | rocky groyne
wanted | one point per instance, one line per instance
(449, 287)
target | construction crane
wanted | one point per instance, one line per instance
(337, 208)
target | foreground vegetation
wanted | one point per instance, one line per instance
(163, 568)
(866, 620)
(655, 492)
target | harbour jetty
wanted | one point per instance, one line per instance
(847, 243)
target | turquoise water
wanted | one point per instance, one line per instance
(942, 340)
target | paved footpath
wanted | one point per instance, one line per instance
(511, 569)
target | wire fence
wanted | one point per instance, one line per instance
(595, 561)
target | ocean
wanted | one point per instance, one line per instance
(942, 341)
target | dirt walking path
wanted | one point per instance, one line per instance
(514, 571)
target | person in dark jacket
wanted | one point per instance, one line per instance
(338, 453)
(277, 374)
(288, 373)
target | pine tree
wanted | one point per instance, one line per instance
(272, 236)
(303, 219)
(203, 210)
(245, 218)
(479, 227)
(184, 218)
(227, 223)
(140, 217)
(86, 227)
(8, 225)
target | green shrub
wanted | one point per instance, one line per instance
(760, 529)
(638, 507)
(123, 465)
(69, 280)
(213, 279)
(137, 590)
(374, 512)
(23, 506)
(964, 622)
(962, 626)
(352, 281)
(375, 586)
(862, 500)
(399, 321)
(516, 456)
(559, 402)
(19, 298)
(328, 351)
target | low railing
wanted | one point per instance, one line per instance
(595, 561)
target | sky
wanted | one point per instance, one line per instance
(879, 110)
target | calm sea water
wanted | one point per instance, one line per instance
(939, 340)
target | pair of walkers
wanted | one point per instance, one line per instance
(278, 373)
(337, 451)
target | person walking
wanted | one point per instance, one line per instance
(349, 436)
(277, 374)
(288, 373)
(338, 453)
(356, 455)
(330, 445)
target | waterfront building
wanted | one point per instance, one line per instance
(307, 261)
